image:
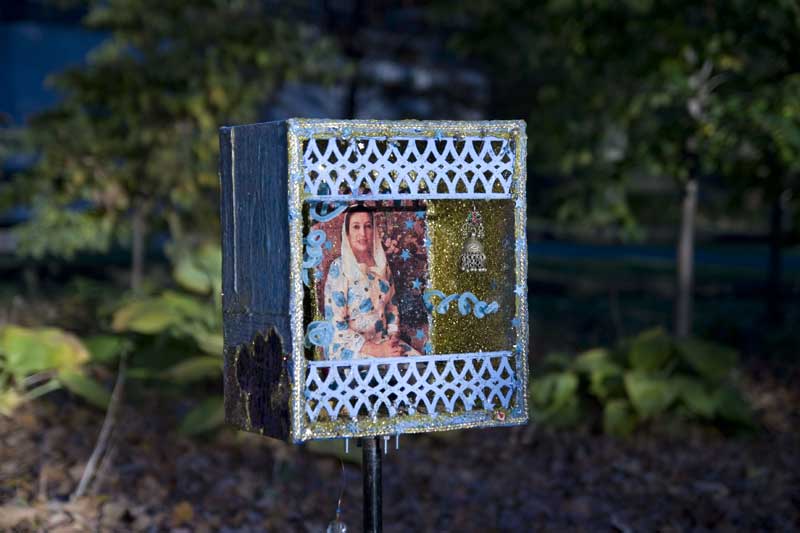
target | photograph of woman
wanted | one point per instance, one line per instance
(360, 298)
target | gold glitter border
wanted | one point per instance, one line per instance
(300, 130)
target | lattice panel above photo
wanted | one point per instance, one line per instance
(405, 385)
(440, 167)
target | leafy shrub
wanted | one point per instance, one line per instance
(173, 337)
(178, 333)
(35, 361)
(642, 378)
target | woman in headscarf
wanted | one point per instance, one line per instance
(360, 295)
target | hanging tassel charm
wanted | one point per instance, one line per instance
(473, 259)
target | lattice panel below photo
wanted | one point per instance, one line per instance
(403, 385)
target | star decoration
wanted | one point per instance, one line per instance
(420, 214)
(409, 224)
(328, 245)
(427, 348)
(416, 284)
(420, 334)
(405, 255)
(519, 203)
(317, 274)
(426, 242)
(519, 290)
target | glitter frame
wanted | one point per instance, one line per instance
(301, 130)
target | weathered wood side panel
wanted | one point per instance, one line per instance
(255, 272)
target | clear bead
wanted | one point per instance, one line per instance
(337, 526)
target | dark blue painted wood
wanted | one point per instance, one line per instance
(255, 273)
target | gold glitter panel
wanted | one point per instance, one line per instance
(453, 332)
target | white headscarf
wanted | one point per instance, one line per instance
(350, 265)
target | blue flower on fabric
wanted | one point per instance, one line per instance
(384, 286)
(409, 224)
(338, 298)
(519, 290)
(334, 270)
(365, 306)
(519, 203)
(420, 334)
(328, 245)
(427, 348)
(405, 254)
(416, 284)
(347, 354)
(420, 214)
(426, 242)
(352, 296)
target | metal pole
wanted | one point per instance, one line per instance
(373, 482)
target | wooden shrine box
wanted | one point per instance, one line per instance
(374, 276)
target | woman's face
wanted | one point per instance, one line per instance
(360, 233)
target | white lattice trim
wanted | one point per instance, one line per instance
(411, 167)
(369, 387)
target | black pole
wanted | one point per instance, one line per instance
(373, 491)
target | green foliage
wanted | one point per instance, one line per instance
(177, 334)
(649, 376)
(85, 387)
(63, 232)
(207, 416)
(620, 92)
(35, 361)
(28, 351)
(136, 129)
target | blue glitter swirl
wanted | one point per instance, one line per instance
(466, 302)
(320, 333)
(324, 215)
(313, 255)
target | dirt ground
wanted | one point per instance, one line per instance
(521, 479)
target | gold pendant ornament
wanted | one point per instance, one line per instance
(473, 259)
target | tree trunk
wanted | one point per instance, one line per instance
(138, 248)
(774, 275)
(683, 304)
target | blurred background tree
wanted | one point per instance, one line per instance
(135, 135)
(620, 93)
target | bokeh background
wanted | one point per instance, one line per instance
(664, 281)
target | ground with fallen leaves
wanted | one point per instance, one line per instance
(521, 479)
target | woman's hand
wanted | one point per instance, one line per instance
(389, 348)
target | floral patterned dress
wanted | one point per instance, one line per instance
(361, 309)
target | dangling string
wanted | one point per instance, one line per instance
(337, 526)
